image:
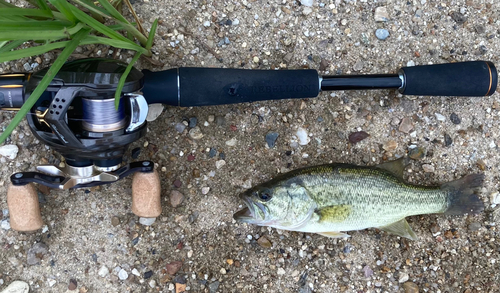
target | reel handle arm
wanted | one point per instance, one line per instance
(187, 87)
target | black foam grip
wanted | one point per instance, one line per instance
(474, 78)
(218, 86)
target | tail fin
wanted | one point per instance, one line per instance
(461, 197)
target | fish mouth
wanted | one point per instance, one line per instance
(247, 214)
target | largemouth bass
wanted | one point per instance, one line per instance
(331, 199)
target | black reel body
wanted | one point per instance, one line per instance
(76, 116)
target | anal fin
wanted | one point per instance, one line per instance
(400, 228)
(334, 234)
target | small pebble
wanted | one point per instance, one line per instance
(495, 197)
(9, 151)
(154, 110)
(434, 228)
(368, 271)
(447, 140)
(27, 66)
(356, 137)
(416, 153)
(410, 287)
(5, 224)
(381, 14)
(232, 142)
(206, 23)
(148, 274)
(212, 153)
(211, 118)
(302, 136)
(390, 145)
(271, 138)
(382, 33)
(455, 119)
(403, 277)
(205, 190)
(135, 272)
(307, 3)
(103, 271)
(177, 183)
(192, 122)
(481, 165)
(264, 242)
(147, 221)
(428, 168)
(440, 117)
(219, 164)
(122, 274)
(223, 271)
(406, 125)
(152, 283)
(72, 285)
(458, 17)
(281, 271)
(195, 133)
(17, 287)
(173, 267)
(176, 198)
(180, 127)
(213, 286)
(115, 221)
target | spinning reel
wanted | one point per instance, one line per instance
(76, 115)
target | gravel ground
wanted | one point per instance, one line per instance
(93, 243)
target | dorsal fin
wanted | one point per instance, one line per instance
(395, 167)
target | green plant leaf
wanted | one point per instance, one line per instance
(65, 8)
(121, 83)
(10, 46)
(92, 8)
(33, 34)
(6, 5)
(123, 78)
(32, 51)
(44, 83)
(25, 12)
(43, 5)
(112, 11)
(114, 43)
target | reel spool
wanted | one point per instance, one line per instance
(76, 117)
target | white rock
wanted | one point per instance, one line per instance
(403, 277)
(152, 283)
(5, 224)
(122, 274)
(17, 287)
(171, 287)
(205, 190)
(10, 151)
(220, 163)
(232, 142)
(381, 14)
(51, 282)
(281, 271)
(147, 221)
(206, 23)
(302, 136)
(307, 10)
(410, 63)
(307, 2)
(136, 272)
(440, 117)
(495, 197)
(236, 21)
(154, 110)
(103, 271)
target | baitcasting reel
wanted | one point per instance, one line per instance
(76, 114)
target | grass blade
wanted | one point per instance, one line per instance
(4, 4)
(43, 5)
(114, 43)
(92, 8)
(44, 83)
(32, 51)
(83, 17)
(121, 83)
(112, 11)
(19, 34)
(25, 12)
(33, 25)
(10, 46)
(65, 8)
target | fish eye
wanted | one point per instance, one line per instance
(265, 196)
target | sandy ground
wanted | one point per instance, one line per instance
(90, 233)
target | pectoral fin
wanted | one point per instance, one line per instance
(334, 234)
(400, 228)
(395, 167)
(333, 214)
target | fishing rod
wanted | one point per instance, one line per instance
(76, 115)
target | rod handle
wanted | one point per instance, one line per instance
(194, 86)
(473, 78)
